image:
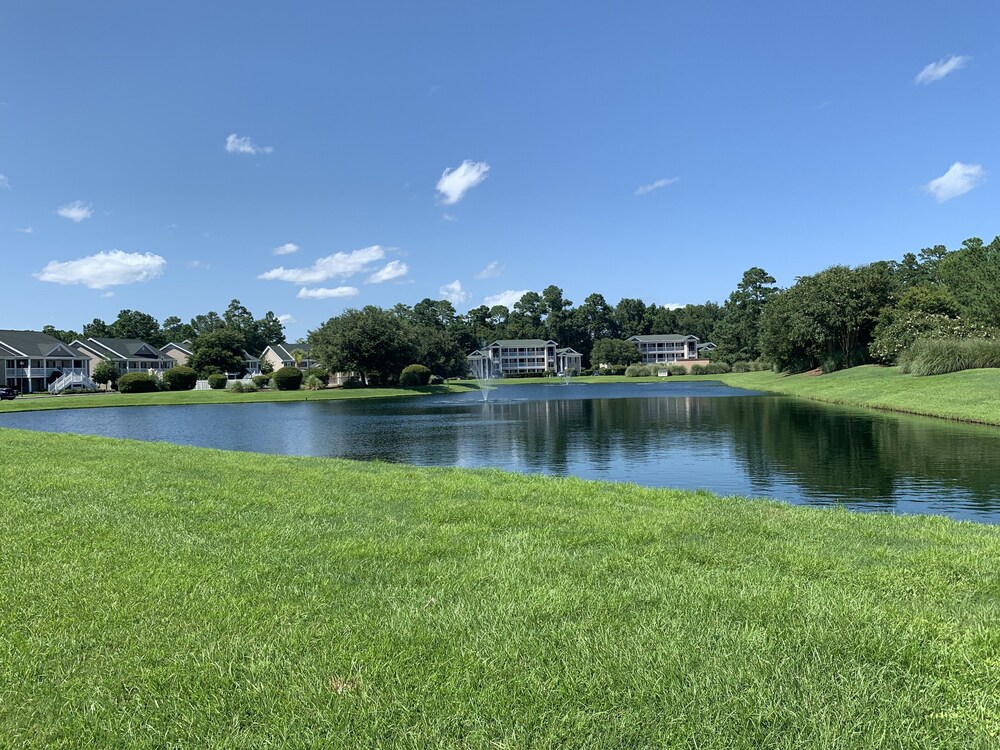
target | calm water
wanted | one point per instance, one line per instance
(696, 435)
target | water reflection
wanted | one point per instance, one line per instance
(700, 436)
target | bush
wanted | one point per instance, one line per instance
(137, 382)
(287, 379)
(261, 381)
(436, 380)
(352, 382)
(637, 371)
(754, 366)
(713, 368)
(414, 375)
(317, 372)
(677, 370)
(313, 383)
(938, 356)
(250, 387)
(235, 386)
(217, 381)
(180, 378)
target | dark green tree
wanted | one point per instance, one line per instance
(132, 324)
(218, 351)
(373, 342)
(737, 334)
(614, 352)
(632, 317)
(973, 274)
(67, 337)
(96, 329)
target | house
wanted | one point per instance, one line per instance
(666, 348)
(34, 361)
(128, 355)
(179, 353)
(280, 355)
(507, 357)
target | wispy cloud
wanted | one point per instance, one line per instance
(663, 182)
(25, 230)
(455, 183)
(391, 270)
(508, 298)
(324, 293)
(197, 264)
(76, 211)
(338, 265)
(286, 318)
(104, 269)
(287, 249)
(450, 218)
(4, 182)
(492, 270)
(935, 71)
(673, 305)
(958, 180)
(106, 295)
(453, 292)
(243, 145)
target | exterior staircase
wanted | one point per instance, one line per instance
(71, 378)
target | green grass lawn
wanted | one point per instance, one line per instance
(41, 401)
(157, 596)
(970, 396)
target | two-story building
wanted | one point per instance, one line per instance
(128, 355)
(32, 361)
(506, 357)
(283, 355)
(666, 348)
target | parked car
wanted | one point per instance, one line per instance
(7, 394)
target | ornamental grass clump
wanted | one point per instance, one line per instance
(638, 371)
(939, 356)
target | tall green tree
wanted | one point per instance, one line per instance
(67, 337)
(373, 342)
(614, 352)
(96, 329)
(220, 350)
(632, 317)
(737, 334)
(973, 274)
(133, 324)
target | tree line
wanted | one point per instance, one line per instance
(839, 317)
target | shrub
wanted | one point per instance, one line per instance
(313, 383)
(436, 380)
(899, 330)
(235, 386)
(250, 387)
(938, 356)
(637, 371)
(137, 382)
(180, 379)
(677, 370)
(414, 375)
(352, 382)
(217, 381)
(261, 381)
(318, 372)
(287, 379)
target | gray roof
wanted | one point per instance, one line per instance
(662, 338)
(119, 349)
(568, 350)
(184, 346)
(285, 350)
(514, 343)
(35, 344)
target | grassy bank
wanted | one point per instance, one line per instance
(162, 596)
(970, 396)
(41, 401)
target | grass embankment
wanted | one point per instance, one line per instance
(164, 596)
(969, 396)
(41, 401)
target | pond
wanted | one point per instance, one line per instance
(683, 435)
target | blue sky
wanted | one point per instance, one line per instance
(309, 157)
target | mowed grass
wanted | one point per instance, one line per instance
(970, 395)
(157, 596)
(42, 401)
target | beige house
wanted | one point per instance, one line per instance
(128, 355)
(179, 353)
(280, 355)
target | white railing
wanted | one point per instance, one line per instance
(72, 377)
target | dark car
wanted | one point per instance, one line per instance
(7, 394)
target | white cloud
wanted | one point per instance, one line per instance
(198, 264)
(674, 305)
(106, 295)
(324, 293)
(958, 180)
(492, 270)
(286, 318)
(76, 211)
(104, 269)
(935, 71)
(25, 230)
(287, 249)
(4, 182)
(507, 298)
(453, 292)
(663, 182)
(454, 183)
(243, 145)
(451, 218)
(338, 265)
(391, 270)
